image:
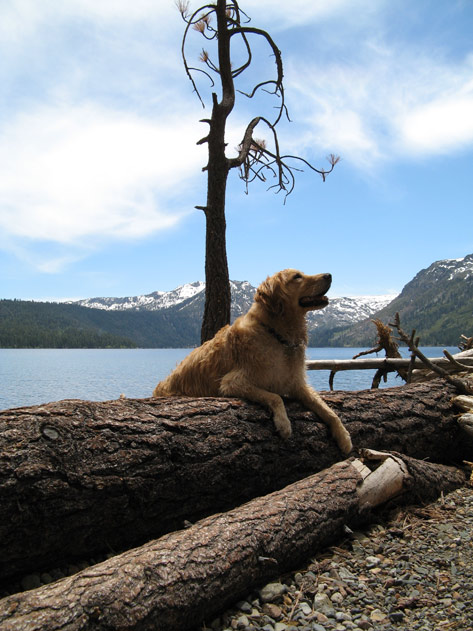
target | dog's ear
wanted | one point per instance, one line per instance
(270, 295)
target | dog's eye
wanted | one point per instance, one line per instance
(297, 277)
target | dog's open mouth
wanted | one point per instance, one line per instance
(313, 302)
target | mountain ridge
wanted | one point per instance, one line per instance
(437, 302)
(346, 309)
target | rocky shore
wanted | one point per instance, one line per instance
(414, 571)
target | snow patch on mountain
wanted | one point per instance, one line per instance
(460, 267)
(348, 310)
(180, 294)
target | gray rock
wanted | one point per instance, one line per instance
(306, 609)
(272, 591)
(377, 615)
(272, 610)
(372, 561)
(244, 606)
(323, 604)
(345, 574)
(340, 616)
(336, 598)
(242, 622)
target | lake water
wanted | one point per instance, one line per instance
(35, 376)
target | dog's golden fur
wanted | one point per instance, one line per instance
(261, 357)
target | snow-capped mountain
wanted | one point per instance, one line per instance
(150, 302)
(339, 312)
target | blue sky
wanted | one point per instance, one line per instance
(100, 171)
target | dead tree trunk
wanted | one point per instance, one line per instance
(78, 478)
(174, 583)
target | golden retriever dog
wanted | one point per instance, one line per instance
(261, 357)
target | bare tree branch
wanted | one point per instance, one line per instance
(191, 21)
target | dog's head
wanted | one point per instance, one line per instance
(290, 290)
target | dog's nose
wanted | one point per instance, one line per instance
(328, 277)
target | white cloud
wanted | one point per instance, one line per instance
(75, 174)
(118, 9)
(386, 103)
(50, 260)
(20, 18)
(442, 125)
(54, 39)
(55, 265)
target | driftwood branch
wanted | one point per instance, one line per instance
(413, 345)
(462, 366)
(380, 363)
(466, 343)
(185, 577)
(79, 478)
(464, 357)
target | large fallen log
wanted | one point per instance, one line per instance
(172, 584)
(78, 478)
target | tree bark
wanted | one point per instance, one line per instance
(174, 583)
(217, 280)
(78, 478)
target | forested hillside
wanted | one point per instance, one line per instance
(25, 324)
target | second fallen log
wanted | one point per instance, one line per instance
(175, 582)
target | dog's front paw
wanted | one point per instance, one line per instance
(344, 442)
(285, 432)
(283, 425)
